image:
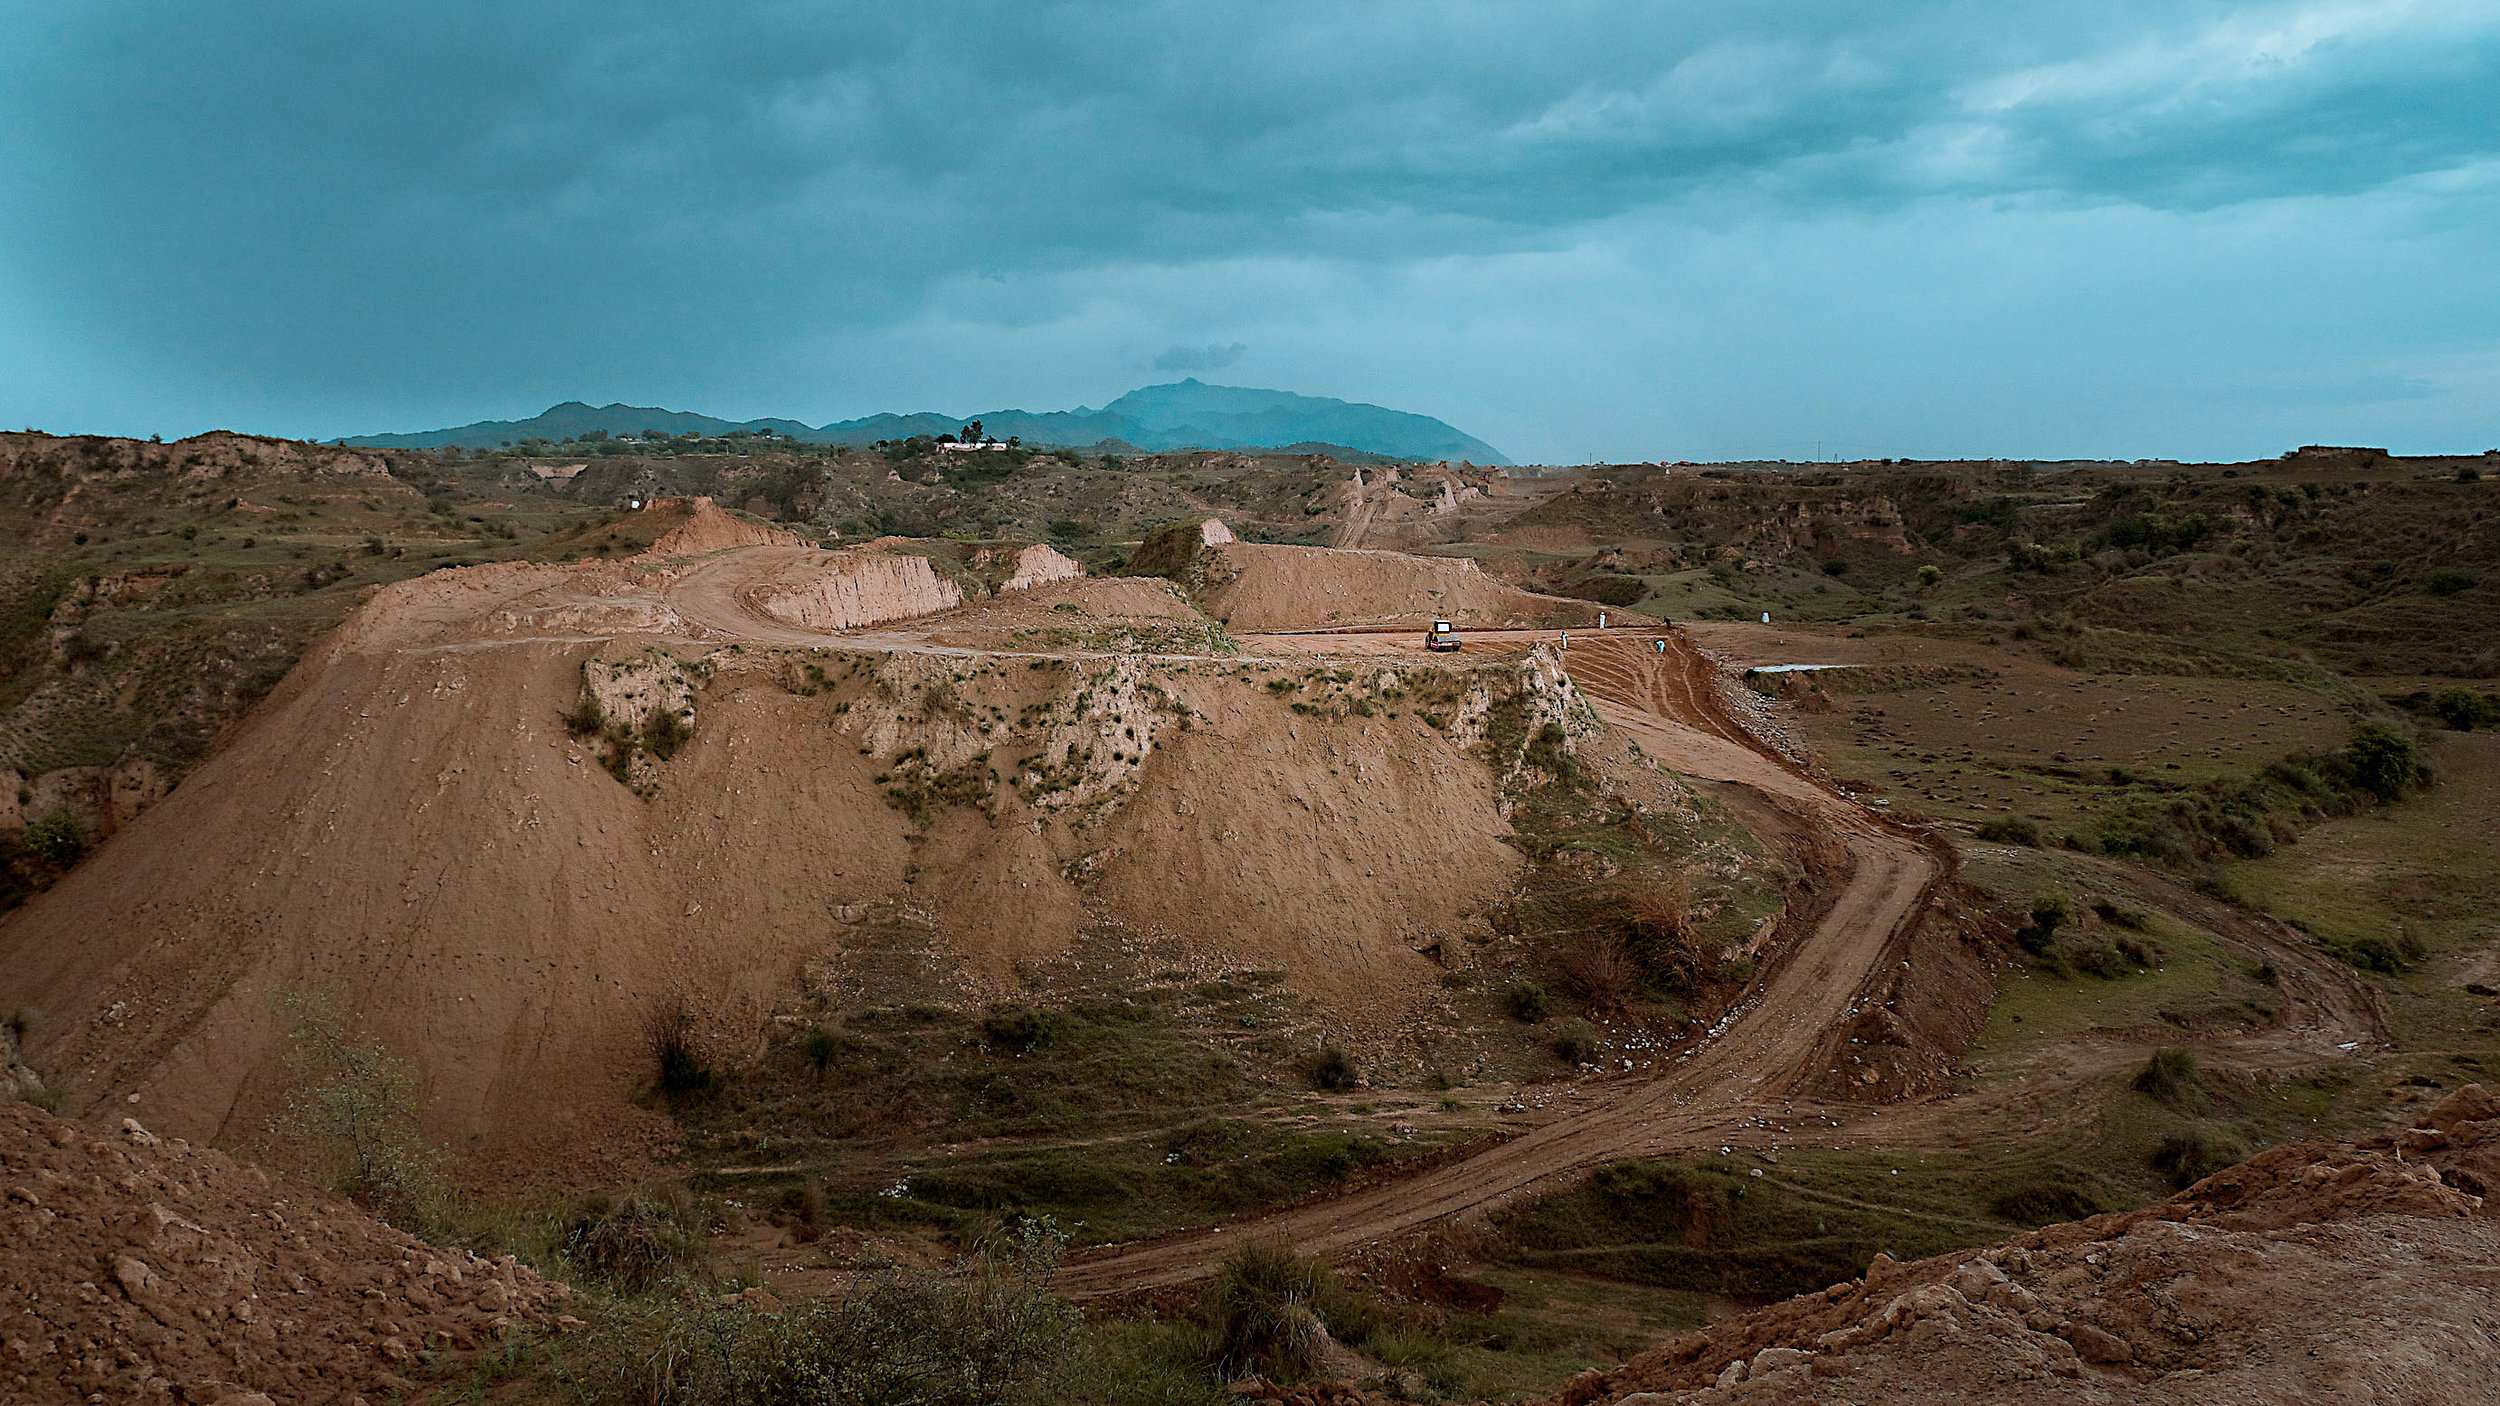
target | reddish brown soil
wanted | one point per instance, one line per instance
(407, 825)
(134, 1268)
(2315, 1271)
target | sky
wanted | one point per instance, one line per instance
(1577, 230)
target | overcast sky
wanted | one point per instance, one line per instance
(1634, 230)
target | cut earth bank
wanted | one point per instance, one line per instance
(508, 812)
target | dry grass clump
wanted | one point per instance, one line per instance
(1599, 966)
(989, 1334)
(633, 1244)
(1263, 1312)
(2171, 1077)
(668, 1031)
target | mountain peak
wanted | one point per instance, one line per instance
(1183, 414)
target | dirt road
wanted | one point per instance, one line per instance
(1760, 1050)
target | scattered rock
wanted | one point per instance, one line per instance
(256, 1292)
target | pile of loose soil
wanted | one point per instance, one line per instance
(2358, 1271)
(1262, 587)
(708, 529)
(411, 823)
(134, 1267)
(1317, 588)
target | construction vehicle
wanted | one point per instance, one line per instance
(1441, 638)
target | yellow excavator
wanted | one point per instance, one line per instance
(1441, 638)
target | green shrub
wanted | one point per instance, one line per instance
(663, 732)
(2047, 1203)
(820, 1047)
(1527, 1001)
(584, 719)
(2372, 953)
(2113, 914)
(2196, 1154)
(56, 838)
(2011, 832)
(2382, 761)
(990, 1335)
(2463, 710)
(1576, 1043)
(355, 1106)
(1929, 576)
(668, 1031)
(2171, 1077)
(1335, 1071)
(2096, 959)
(2049, 910)
(2448, 581)
(1022, 1029)
(1262, 1312)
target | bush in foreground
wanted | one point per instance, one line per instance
(990, 1335)
(2170, 1076)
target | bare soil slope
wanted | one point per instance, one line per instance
(408, 824)
(140, 1268)
(1262, 587)
(708, 529)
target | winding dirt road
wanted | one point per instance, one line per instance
(1761, 1049)
(1742, 1076)
(1753, 1058)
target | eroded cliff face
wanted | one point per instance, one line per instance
(1038, 565)
(845, 590)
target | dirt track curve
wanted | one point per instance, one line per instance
(1761, 1049)
(1747, 1067)
(1666, 701)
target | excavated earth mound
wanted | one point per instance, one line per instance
(2364, 1271)
(845, 590)
(421, 823)
(1038, 565)
(1255, 587)
(708, 529)
(140, 1268)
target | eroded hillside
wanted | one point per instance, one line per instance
(509, 811)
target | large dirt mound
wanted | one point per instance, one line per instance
(133, 1267)
(2351, 1272)
(1257, 587)
(708, 529)
(420, 822)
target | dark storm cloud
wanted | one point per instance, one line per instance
(384, 210)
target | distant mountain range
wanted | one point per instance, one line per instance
(1183, 415)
